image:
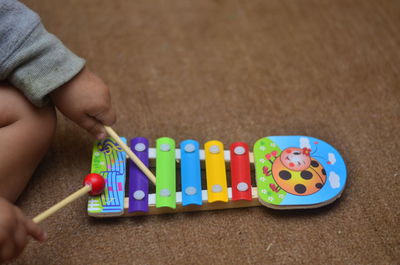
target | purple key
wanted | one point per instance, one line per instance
(138, 182)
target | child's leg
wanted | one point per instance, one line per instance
(26, 133)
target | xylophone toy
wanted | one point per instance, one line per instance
(282, 172)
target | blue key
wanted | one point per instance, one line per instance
(190, 173)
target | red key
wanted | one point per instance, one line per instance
(240, 172)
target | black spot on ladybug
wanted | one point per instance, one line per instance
(306, 174)
(285, 175)
(318, 185)
(300, 188)
(314, 163)
(323, 171)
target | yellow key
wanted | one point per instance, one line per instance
(217, 189)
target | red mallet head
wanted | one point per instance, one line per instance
(97, 183)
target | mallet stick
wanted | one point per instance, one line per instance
(131, 155)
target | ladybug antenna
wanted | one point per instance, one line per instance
(316, 149)
(323, 158)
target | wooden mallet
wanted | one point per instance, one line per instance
(93, 184)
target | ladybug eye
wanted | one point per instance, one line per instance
(296, 153)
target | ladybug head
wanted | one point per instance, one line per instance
(296, 159)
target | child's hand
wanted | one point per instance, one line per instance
(86, 101)
(14, 231)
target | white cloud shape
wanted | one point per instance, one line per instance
(305, 142)
(334, 180)
(332, 158)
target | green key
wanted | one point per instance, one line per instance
(165, 173)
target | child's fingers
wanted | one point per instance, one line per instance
(94, 127)
(106, 117)
(103, 112)
(29, 226)
(94, 122)
(35, 230)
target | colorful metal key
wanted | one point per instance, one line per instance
(240, 172)
(138, 182)
(190, 173)
(165, 173)
(215, 172)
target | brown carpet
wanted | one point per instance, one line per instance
(233, 71)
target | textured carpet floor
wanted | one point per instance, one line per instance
(233, 71)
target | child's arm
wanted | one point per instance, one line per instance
(33, 60)
(38, 64)
(14, 231)
(86, 101)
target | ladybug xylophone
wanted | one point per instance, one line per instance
(282, 172)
